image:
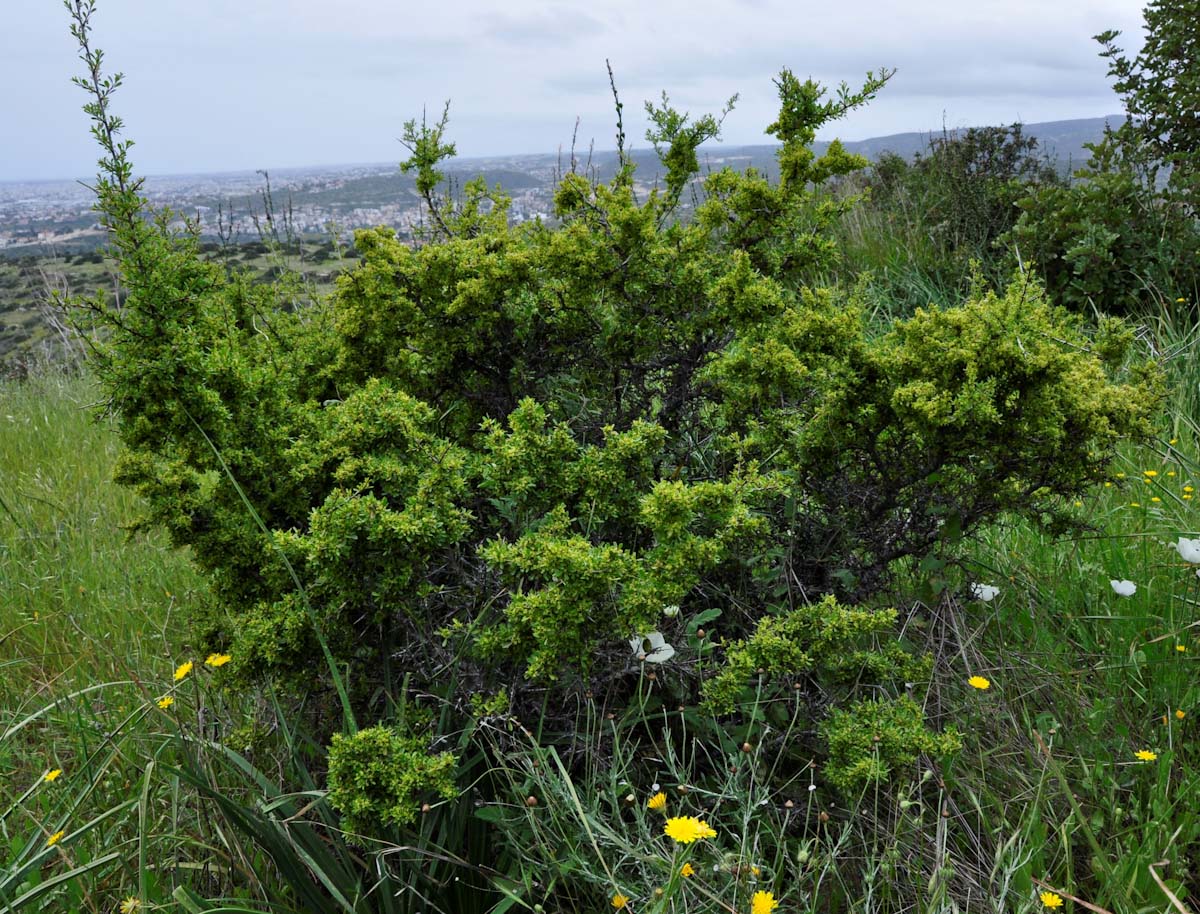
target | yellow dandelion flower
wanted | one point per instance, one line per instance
(1120, 476)
(1182, 648)
(1188, 489)
(55, 838)
(755, 872)
(131, 905)
(1134, 504)
(215, 660)
(979, 682)
(1180, 714)
(657, 802)
(182, 670)
(1180, 301)
(763, 903)
(1173, 441)
(686, 829)
(1186, 497)
(1170, 472)
(1108, 485)
(165, 702)
(1150, 473)
(686, 870)
(1156, 498)
(1146, 755)
(620, 901)
(1051, 899)
(52, 775)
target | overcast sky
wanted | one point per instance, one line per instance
(216, 85)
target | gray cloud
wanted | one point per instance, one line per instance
(228, 84)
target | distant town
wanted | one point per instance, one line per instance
(321, 201)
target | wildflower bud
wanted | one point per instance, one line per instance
(746, 747)
(945, 813)
(682, 788)
(425, 807)
(761, 670)
(802, 856)
(877, 738)
(699, 633)
(589, 694)
(823, 817)
(531, 801)
(652, 675)
(789, 805)
(629, 798)
(610, 716)
(797, 686)
(658, 893)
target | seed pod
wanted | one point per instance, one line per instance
(531, 801)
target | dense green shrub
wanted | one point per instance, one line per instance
(1110, 242)
(932, 226)
(1123, 237)
(378, 777)
(1161, 90)
(963, 192)
(491, 461)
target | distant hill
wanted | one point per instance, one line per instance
(1061, 140)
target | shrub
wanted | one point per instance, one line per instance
(378, 777)
(1110, 242)
(489, 461)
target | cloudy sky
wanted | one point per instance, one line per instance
(241, 84)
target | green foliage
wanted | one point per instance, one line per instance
(971, 183)
(1109, 242)
(935, 223)
(378, 777)
(425, 144)
(826, 640)
(1121, 238)
(1161, 90)
(675, 141)
(870, 741)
